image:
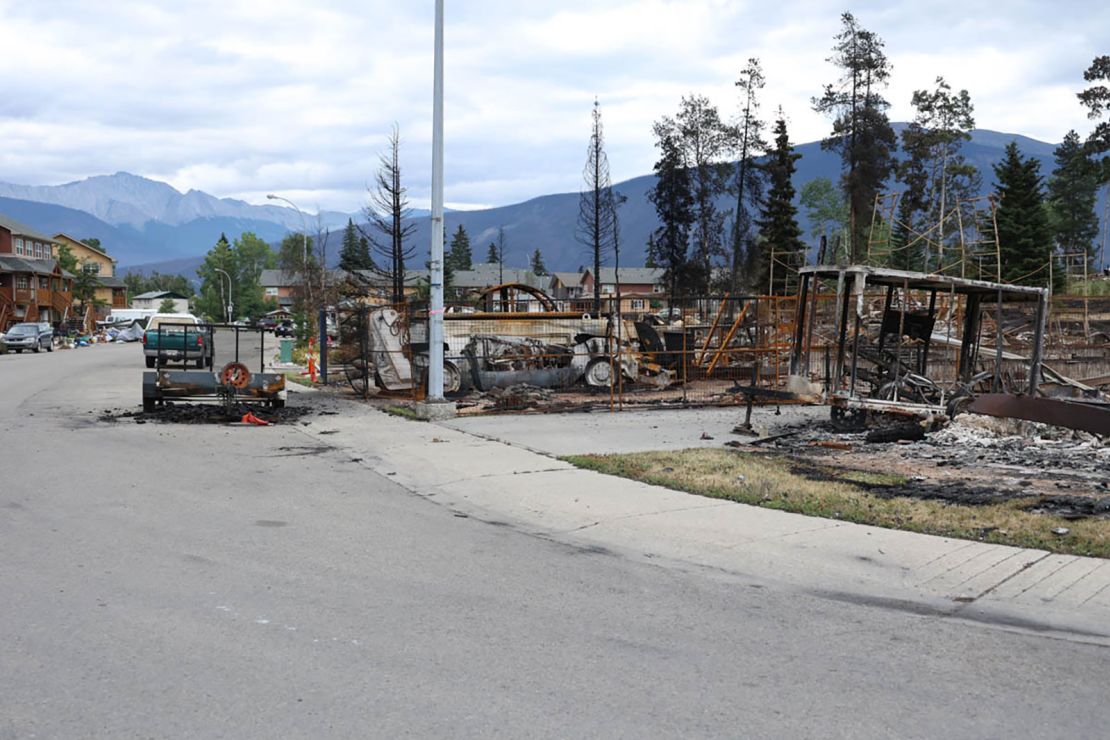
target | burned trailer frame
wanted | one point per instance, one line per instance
(231, 384)
(882, 377)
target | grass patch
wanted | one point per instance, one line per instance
(774, 481)
(294, 376)
(403, 411)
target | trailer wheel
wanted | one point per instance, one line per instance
(150, 362)
(200, 364)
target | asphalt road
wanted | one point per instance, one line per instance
(209, 582)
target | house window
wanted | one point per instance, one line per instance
(38, 250)
(637, 304)
(608, 289)
(22, 281)
(657, 288)
(19, 246)
(44, 283)
(271, 292)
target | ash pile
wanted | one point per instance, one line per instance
(203, 413)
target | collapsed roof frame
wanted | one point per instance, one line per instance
(853, 281)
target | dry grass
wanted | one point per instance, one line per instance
(772, 481)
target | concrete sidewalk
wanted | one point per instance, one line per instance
(506, 484)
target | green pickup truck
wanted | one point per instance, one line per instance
(175, 337)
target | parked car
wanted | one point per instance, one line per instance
(171, 337)
(33, 336)
(285, 329)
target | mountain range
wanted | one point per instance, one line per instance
(149, 225)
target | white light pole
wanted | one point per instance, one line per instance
(304, 235)
(435, 312)
(229, 304)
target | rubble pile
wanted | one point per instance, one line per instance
(973, 439)
(519, 397)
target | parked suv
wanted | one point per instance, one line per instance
(35, 337)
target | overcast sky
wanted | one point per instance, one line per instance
(243, 97)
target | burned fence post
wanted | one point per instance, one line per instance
(799, 325)
(1038, 342)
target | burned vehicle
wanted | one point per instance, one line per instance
(512, 334)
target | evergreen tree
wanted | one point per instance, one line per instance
(861, 130)
(354, 254)
(597, 212)
(93, 242)
(1096, 99)
(701, 140)
(492, 256)
(748, 184)
(538, 267)
(674, 205)
(778, 222)
(1072, 192)
(1024, 235)
(213, 299)
(937, 177)
(390, 217)
(459, 256)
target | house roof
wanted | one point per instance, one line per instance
(629, 275)
(292, 278)
(486, 274)
(567, 278)
(412, 277)
(9, 263)
(22, 229)
(154, 295)
(111, 282)
(58, 237)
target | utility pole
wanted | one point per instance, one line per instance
(435, 312)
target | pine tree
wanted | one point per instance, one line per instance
(492, 257)
(1096, 99)
(354, 254)
(701, 140)
(458, 255)
(597, 212)
(1072, 192)
(936, 176)
(213, 299)
(390, 216)
(1024, 235)
(538, 267)
(748, 184)
(778, 222)
(674, 205)
(861, 130)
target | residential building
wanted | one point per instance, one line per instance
(111, 292)
(33, 286)
(466, 284)
(152, 301)
(285, 286)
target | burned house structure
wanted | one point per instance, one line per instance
(928, 346)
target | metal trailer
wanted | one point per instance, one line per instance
(230, 384)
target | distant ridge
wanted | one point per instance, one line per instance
(148, 225)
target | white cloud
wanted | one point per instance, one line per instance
(243, 97)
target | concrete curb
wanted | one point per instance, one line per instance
(1007, 587)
